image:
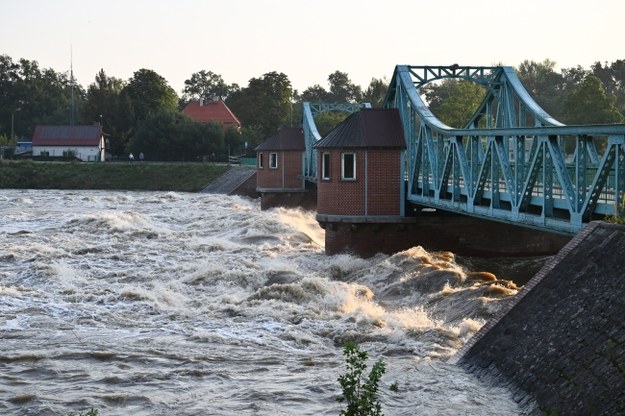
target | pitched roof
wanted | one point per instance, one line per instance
(286, 138)
(67, 135)
(205, 111)
(368, 127)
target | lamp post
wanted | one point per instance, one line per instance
(13, 122)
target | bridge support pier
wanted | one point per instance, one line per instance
(437, 231)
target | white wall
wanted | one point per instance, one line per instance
(84, 153)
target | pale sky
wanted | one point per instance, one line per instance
(305, 39)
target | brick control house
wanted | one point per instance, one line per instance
(85, 142)
(212, 110)
(279, 164)
(360, 182)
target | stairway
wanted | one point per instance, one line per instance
(229, 181)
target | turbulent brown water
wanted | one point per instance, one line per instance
(195, 304)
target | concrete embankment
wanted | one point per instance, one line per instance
(560, 343)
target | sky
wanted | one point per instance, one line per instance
(306, 40)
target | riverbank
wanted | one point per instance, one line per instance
(145, 176)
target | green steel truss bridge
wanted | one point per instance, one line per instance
(509, 162)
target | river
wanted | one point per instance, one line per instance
(161, 303)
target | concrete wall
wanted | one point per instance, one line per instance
(366, 236)
(560, 345)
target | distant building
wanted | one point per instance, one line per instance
(84, 142)
(213, 110)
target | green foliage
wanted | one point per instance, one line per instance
(454, 101)
(359, 394)
(588, 103)
(376, 92)
(326, 121)
(265, 104)
(149, 93)
(170, 135)
(544, 84)
(342, 90)
(205, 84)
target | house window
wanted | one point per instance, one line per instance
(273, 160)
(348, 166)
(325, 166)
(260, 160)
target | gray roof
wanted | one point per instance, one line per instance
(67, 135)
(367, 128)
(286, 138)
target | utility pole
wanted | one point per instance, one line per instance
(13, 123)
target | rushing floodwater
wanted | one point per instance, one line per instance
(196, 304)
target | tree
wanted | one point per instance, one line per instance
(328, 120)
(149, 93)
(342, 90)
(315, 94)
(613, 79)
(32, 96)
(206, 84)
(589, 104)
(105, 104)
(454, 101)
(376, 92)
(170, 135)
(265, 103)
(544, 84)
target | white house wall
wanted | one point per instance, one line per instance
(84, 153)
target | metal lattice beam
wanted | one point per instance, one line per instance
(508, 163)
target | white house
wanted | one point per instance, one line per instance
(85, 142)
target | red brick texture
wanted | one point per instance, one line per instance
(287, 175)
(375, 191)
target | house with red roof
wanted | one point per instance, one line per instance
(84, 142)
(213, 110)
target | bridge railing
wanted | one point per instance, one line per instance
(514, 167)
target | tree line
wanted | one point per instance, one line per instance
(143, 113)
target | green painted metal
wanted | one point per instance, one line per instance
(508, 162)
(311, 134)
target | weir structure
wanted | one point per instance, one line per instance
(513, 177)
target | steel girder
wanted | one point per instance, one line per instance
(311, 134)
(508, 163)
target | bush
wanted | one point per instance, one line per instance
(360, 394)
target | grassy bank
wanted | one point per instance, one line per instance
(147, 176)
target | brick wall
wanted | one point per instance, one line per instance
(347, 197)
(286, 176)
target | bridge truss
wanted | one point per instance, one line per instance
(311, 134)
(509, 162)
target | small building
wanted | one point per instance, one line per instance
(84, 142)
(213, 110)
(279, 164)
(360, 170)
(360, 184)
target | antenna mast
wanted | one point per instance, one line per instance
(71, 80)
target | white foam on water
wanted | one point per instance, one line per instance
(187, 298)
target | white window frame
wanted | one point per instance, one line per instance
(325, 166)
(343, 177)
(260, 160)
(273, 160)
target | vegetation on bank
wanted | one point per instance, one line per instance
(146, 176)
